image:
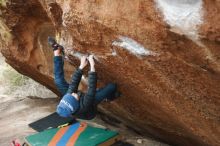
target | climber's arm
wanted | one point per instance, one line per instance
(90, 96)
(76, 78)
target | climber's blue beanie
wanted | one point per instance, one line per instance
(68, 105)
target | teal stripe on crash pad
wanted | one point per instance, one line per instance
(92, 136)
(42, 138)
(65, 138)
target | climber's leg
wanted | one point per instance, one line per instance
(108, 92)
(59, 78)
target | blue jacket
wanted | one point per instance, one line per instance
(87, 109)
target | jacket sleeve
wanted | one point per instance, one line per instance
(90, 95)
(76, 78)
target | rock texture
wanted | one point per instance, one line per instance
(169, 77)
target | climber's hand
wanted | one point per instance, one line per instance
(92, 63)
(83, 62)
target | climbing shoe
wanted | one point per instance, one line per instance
(52, 42)
(116, 95)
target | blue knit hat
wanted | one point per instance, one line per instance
(68, 105)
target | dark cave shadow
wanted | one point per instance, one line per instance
(122, 143)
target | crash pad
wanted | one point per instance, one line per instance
(51, 121)
(77, 134)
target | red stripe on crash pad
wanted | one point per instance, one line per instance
(58, 136)
(75, 136)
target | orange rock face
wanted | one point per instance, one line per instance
(167, 63)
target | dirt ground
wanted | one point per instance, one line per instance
(17, 113)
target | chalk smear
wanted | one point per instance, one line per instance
(184, 16)
(114, 53)
(77, 54)
(85, 80)
(132, 46)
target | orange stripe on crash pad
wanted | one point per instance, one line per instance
(75, 136)
(58, 136)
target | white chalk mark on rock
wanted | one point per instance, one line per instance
(77, 54)
(183, 16)
(132, 46)
(85, 79)
(114, 53)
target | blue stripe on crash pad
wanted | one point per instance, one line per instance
(65, 138)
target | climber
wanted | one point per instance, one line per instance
(75, 103)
